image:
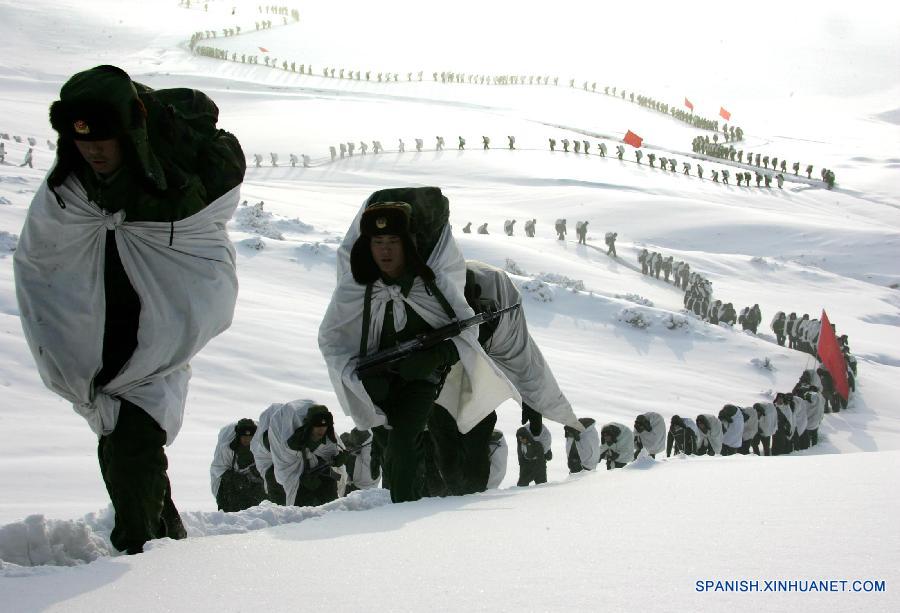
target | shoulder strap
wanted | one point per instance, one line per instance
(432, 288)
(367, 316)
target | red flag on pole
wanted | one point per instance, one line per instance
(832, 358)
(633, 139)
(723, 113)
(688, 104)
(263, 49)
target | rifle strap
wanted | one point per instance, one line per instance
(367, 316)
(432, 289)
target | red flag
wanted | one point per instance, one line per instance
(263, 49)
(633, 139)
(688, 104)
(723, 113)
(832, 358)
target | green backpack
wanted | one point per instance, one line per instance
(187, 142)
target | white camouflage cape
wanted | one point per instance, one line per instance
(290, 464)
(654, 441)
(515, 352)
(733, 433)
(588, 447)
(475, 386)
(768, 423)
(223, 457)
(187, 290)
(623, 447)
(714, 436)
(262, 457)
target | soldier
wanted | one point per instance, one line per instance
(482, 229)
(581, 232)
(778, 325)
(649, 434)
(274, 158)
(725, 176)
(766, 161)
(565, 143)
(508, 226)
(815, 411)
(809, 170)
(363, 147)
(644, 259)
(757, 160)
(780, 179)
(651, 157)
(486, 140)
(620, 151)
(333, 152)
(512, 142)
(294, 159)
(498, 451)
(467, 229)
(758, 177)
(376, 147)
(351, 147)
(829, 179)
(552, 144)
(687, 168)
(666, 268)
(610, 239)
(401, 146)
(587, 146)
(750, 432)
(740, 177)
(767, 425)
(419, 145)
(381, 252)
(796, 167)
(257, 159)
(462, 143)
(2, 153)
(533, 451)
(683, 435)
(529, 227)
(603, 150)
(768, 180)
(700, 171)
(362, 467)
(235, 480)
(709, 438)
(439, 143)
(638, 154)
(29, 158)
(560, 228)
(576, 145)
(582, 448)
(616, 445)
(119, 288)
(672, 163)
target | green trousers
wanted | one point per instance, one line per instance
(407, 406)
(133, 464)
(463, 459)
(275, 491)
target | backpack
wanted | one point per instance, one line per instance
(186, 141)
(430, 213)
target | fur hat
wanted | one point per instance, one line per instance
(102, 104)
(642, 424)
(385, 219)
(245, 426)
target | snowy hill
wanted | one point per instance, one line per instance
(636, 538)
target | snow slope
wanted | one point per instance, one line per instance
(577, 543)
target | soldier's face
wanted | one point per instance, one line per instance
(104, 156)
(387, 251)
(318, 432)
(245, 440)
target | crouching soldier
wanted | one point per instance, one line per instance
(649, 434)
(767, 424)
(146, 281)
(236, 484)
(498, 451)
(534, 453)
(616, 445)
(305, 452)
(582, 448)
(363, 469)
(529, 227)
(815, 411)
(801, 416)
(709, 440)
(610, 238)
(732, 419)
(682, 436)
(560, 227)
(782, 440)
(262, 456)
(751, 431)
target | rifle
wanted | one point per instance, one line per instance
(385, 361)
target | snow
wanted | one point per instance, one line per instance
(814, 83)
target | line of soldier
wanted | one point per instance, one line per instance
(273, 160)
(560, 227)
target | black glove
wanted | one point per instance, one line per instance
(422, 364)
(533, 418)
(548, 456)
(342, 457)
